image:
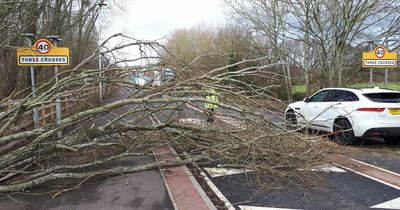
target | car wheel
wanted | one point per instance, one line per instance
(343, 132)
(393, 140)
(291, 120)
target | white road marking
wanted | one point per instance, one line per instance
(392, 204)
(218, 193)
(154, 116)
(194, 121)
(261, 208)
(225, 119)
(231, 121)
(217, 172)
(329, 169)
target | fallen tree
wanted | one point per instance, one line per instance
(148, 116)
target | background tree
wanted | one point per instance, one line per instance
(330, 32)
(218, 47)
(74, 21)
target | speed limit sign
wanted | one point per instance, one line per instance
(380, 52)
(43, 46)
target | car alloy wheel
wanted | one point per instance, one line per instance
(291, 120)
(343, 132)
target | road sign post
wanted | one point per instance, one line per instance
(35, 113)
(371, 72)
(43, 53)
(58, 101)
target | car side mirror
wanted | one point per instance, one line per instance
(306, 99)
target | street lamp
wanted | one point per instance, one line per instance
(35, 112)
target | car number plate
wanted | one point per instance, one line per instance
(394, 111)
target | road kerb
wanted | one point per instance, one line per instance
(218, 193)
(185, 192)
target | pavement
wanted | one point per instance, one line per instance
(159, 189)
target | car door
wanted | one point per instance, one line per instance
(342, 103)
(316, 110)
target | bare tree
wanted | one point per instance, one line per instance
(73, 21)
(244, 135)
(218, 47)
(330, 31)
(265, 21)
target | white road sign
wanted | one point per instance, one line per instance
(43, 46)
(43, 60)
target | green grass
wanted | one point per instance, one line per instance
(394, 86)
(299, 89)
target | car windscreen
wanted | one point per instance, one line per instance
(384, 97)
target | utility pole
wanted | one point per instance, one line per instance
(35, 112)
(100, 83)
(102, 4)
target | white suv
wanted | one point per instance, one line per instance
(349, 114)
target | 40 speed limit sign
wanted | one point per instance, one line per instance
(43, 46)
(43, 53)
(380, 57)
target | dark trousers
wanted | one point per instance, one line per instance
(210, 116)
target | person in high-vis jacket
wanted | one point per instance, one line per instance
(212, 96)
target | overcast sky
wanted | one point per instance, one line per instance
(154, 19)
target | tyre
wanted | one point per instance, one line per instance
(291, 120)
(393, 140)
(343, 132)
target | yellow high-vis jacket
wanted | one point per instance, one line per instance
(212, 97)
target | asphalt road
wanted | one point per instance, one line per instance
(338, 190)
(344, 190)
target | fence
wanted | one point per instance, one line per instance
(71, 102)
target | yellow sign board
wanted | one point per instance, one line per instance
(379, 58)
(43, 53)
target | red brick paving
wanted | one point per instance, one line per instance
(183, 193)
